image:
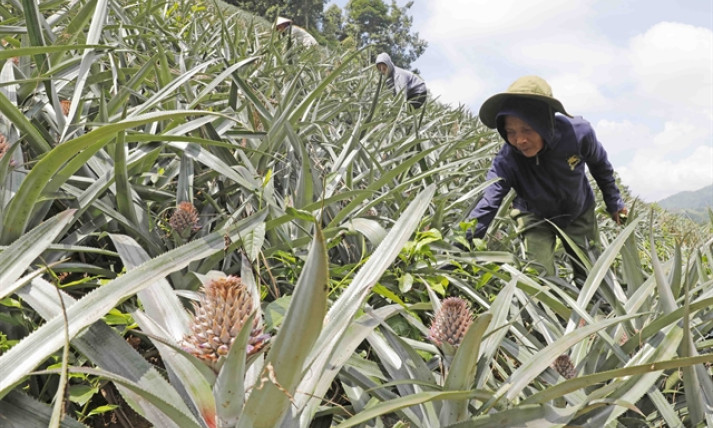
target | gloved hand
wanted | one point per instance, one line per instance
(620, 216)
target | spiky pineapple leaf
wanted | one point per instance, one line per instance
(462, 370)
(159, 299)
(294, 341)
(383, 408)
(530, 369)
(229, 388)
(179, 418)
(341, 313)
(104, 347)
(16, 258)
(20, 410)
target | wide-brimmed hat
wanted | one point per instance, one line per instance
(530, 87)
(281, 20)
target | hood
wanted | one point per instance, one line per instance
(384, 58)
(537, 114)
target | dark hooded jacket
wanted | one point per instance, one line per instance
(400, 80)
(553, 184)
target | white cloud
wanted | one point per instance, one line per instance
(672, 64)
(458, 88)
(654, 177)
(623, 139)
(578, 94)
(677, 137)
(657, 165)
(644, 81)
(672, 76)
(488, 20)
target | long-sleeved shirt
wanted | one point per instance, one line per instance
(553, 184)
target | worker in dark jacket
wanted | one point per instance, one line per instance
(402, 81)
(543, 161)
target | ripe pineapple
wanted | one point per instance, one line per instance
(219, 315)
(184, 220)
(66, 105)
(451, 322)
(564, 366)
(4, 146)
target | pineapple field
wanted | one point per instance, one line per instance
(207, 225)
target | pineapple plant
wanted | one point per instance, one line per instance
(310, 186)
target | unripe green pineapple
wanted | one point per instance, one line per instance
(451, 322)
(219, 315)
(184, 220)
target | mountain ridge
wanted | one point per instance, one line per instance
(690, 203)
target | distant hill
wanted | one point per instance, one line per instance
(693, 204)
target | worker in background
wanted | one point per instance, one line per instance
(299, 34)
(402, 81)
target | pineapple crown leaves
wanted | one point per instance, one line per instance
(220, 313)
(450, 323)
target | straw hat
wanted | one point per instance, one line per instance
(529, 87)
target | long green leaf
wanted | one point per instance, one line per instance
(584, 381)
(229, 390)
(16, 258)
(20, 410)
(159, 300)
(342, 312)
(88, 57)
(408, 401)
(179, 418)
(105, 347)
(294, 342)
(601, 267)
(524, 374)
(461, 373)
(34, 137)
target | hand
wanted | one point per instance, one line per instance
(620, 216)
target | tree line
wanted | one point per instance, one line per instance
(362, 22)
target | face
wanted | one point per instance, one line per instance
(522, 136)
(383, 69)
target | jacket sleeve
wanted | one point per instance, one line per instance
(400, 81)
(488, 206)
(602, 170)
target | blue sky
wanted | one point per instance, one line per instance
(640, 71)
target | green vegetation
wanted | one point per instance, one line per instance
(154, 153)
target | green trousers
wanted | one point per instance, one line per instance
(540, 239)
